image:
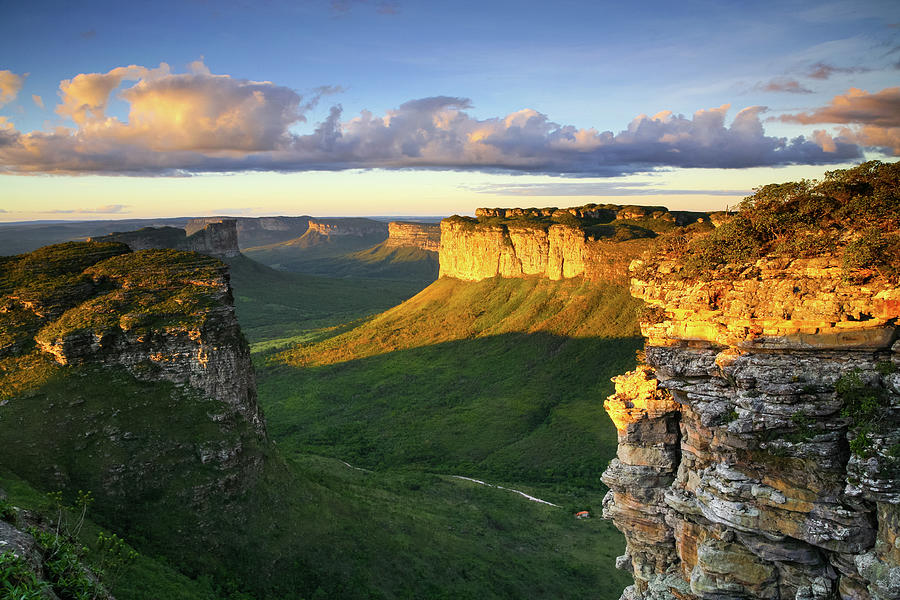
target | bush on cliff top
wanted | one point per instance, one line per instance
(851, 212)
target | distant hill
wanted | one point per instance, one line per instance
(17, 238)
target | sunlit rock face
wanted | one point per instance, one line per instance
(759, 448)
(424, 236)
(472, 252)
(347, 227)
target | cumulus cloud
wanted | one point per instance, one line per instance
(200, 122)
(873, 119)
(781, 84)
(10, 84)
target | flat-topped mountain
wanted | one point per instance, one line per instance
(257, 231)
(406, 234)
(217, 238)
(594, 241)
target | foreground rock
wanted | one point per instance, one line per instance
(759, 451)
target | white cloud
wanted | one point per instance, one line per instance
(200, 122)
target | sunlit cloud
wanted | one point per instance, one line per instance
(38, 101)
(873, 119)
(10, 84)
(184, 123)
(781, 84)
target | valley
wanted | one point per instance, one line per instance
(259, 432)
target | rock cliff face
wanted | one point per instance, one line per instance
(357, 227)
(425, 236)
(126, 373)
(472, 252)
(219, 239)
(759, 448)
(256, 231)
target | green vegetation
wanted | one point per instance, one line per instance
(464, 378)
(863, 406)
(277, 307)
(306, 253)
(382, 262)
(854, 213)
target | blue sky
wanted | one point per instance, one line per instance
(233, 106)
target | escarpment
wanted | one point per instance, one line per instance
(126, 373)
(596, 242)
(356, 227)
(424, 236)
(759, 446)
(256, 231)
(218, 238)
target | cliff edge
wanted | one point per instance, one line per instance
(594, 241)
(759, 446)
(218, 238)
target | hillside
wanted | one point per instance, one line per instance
(124, 373)
(497, 378)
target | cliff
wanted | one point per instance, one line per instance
(759, 447)
(256, 231)
(125, 373)
(357, 227)
(424, 236)
(593, 242)
(219, 239)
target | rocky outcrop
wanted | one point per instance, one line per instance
(475, 251)
(256, 231)
(219, 239)
(357, 227)
(141, 346)
(759, 451)
(424, 236)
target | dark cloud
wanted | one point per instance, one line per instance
(383, 7)
(781, 84)
(88, 35)
(199, 122)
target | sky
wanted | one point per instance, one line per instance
(112, 110)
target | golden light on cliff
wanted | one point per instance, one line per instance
(638, 396)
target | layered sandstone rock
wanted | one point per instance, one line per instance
(357, 227)
(425, 236)
(475, 251)
(218, 238)
(759, 451)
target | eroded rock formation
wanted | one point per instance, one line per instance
(425, 236)
(475, 251)
(218, 238)
(759, 449)
(257, 231)
(358, 227)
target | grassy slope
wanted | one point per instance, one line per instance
(302, 252)
(502, 378)
(383, 262)
(274, 307)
